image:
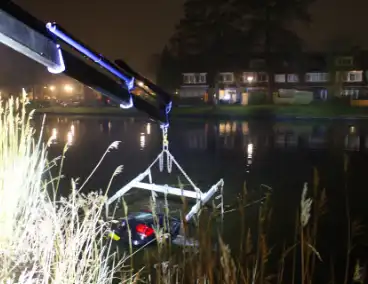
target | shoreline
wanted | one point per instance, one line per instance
(226, 112)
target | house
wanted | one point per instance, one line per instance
(194, 85)
(316, 76)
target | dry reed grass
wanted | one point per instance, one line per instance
(44, 240)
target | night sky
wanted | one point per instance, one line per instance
(135, 30)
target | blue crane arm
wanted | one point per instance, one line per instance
(53, 47)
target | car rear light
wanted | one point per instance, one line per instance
(144, 230)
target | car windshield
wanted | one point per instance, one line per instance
(142, 216)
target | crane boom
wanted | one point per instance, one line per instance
(53, 47)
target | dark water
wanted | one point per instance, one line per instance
(281, 155)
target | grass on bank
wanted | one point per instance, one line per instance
(45, 240)
(307, 111)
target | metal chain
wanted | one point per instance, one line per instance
(165, 148)
(165, 142)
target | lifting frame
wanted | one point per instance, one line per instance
(200, 197)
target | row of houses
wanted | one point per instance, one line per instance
(309, 76)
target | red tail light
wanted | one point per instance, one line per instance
(144, 230)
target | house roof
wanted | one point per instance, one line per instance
(282, 62)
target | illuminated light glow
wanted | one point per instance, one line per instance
(250, 149)
(245, 128)
(250, 79)
(233, 127)
(148, 128)
(130, 84)
(52, 88)
(128, 104)
(140, 84)
(228, 127)
(54, 132)
(164, 125)
(142, 139)
(68, 88)
(53, 135)
(168, 107)
(70, 138)
(72, 129)
(61, 67)
(222, 128)
(226, 97)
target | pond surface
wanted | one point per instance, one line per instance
(281, 155)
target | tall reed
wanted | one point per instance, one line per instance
(44, 240)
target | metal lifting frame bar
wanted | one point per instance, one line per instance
(137, 182)
(200, 197)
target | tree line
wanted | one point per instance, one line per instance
(214, 32)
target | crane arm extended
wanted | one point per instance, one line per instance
(51, 46)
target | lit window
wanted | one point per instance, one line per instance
(249, 77)
(227, 94)
(280, 78)
(293, 78)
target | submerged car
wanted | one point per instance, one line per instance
(141, 226)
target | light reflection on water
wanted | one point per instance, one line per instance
(208, 150)
(226, 135)
(281, 155)
(61, 134)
